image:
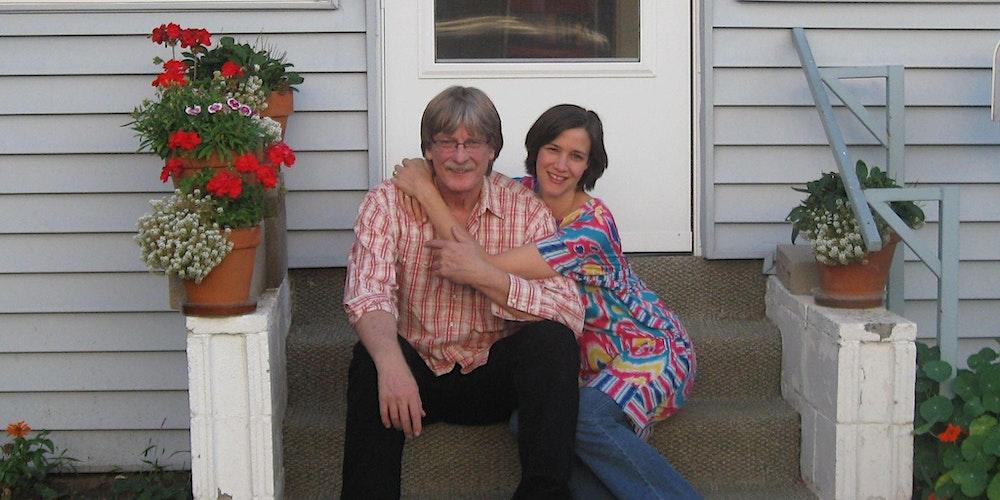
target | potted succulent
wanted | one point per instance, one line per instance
(849, 275)
(223, 157)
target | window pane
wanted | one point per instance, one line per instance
(536, 30)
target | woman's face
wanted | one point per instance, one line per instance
(562, 162)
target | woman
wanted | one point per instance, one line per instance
(637, 362)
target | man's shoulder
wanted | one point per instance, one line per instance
(508, 188)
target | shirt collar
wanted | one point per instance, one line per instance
(489, 198)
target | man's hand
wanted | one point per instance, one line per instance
(461, 261)
(399, 400)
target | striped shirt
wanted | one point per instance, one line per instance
(447, 323)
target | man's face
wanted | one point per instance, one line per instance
(460, 162)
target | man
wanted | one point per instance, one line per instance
(433, 350)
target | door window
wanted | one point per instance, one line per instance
(536, 31)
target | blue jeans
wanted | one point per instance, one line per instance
(613, 462)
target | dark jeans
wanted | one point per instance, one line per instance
(533, 370)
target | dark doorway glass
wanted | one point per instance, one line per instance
(536, 30)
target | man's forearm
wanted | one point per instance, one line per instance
(377, 330)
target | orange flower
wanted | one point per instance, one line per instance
(18, 429)
(950, 434)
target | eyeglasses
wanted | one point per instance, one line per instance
(449, 146)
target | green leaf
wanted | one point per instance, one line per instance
(976, 483)
(966, 385)
(862, 171)
(989, 379)
(982, 424)
(974, 407)
(972, 449)
(951, 456)
(991, 444)
(923, 429)
(938, 371)
(993, 491)
(991, 401)
(936, 409)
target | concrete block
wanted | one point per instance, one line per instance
(821, 370)
(808, 452)
(825, 469)
(905, 358)
(874, 461)
(869, 325)
(776, 293)
(237, 386)
(852, 382)
(795, 267)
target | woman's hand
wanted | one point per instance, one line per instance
(460, 261)
(414, 177)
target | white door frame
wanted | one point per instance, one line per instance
(700, 109)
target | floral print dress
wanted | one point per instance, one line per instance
(633, 347)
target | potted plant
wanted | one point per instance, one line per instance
(207, 232)
(849, 275)
(223, 157)
(261, 66)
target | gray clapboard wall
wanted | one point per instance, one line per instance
(766, 135)
(88, 345)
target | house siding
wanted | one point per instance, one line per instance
(88, 345)
(766, 136)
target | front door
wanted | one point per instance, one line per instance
(628, 60)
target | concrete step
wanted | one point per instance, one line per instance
(693, 287)
(736, 360)
(714, 444)
(735, 439)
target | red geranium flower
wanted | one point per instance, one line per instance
(173, 31)
(950, 434)
(159, 34)
(18, 429)
(267, 176)
(183, 139)
(194, 37)
(225, 184)
(173, 168)
(231, 69)
(173, 73)
(280, 153)
(246, 163)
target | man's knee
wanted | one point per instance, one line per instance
(551, 338)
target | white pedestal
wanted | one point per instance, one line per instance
(237, 390)
(850, 374)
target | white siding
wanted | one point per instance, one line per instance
(88, 345)
(766, 136)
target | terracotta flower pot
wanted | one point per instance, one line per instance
(857, 285)
(226, 290)
(280, 105)
(192, 166)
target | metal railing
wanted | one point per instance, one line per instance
(944, 264)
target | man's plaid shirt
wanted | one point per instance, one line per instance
(389, 270)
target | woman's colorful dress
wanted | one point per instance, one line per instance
(633, 347)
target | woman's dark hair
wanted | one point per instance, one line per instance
(559, 119)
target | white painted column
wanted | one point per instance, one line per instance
(237, 390)
(850, 374)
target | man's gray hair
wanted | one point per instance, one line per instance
(457, 107)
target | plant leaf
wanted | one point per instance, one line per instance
(938, 370)
(993, 490)
(981, 425)
(936, 409)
